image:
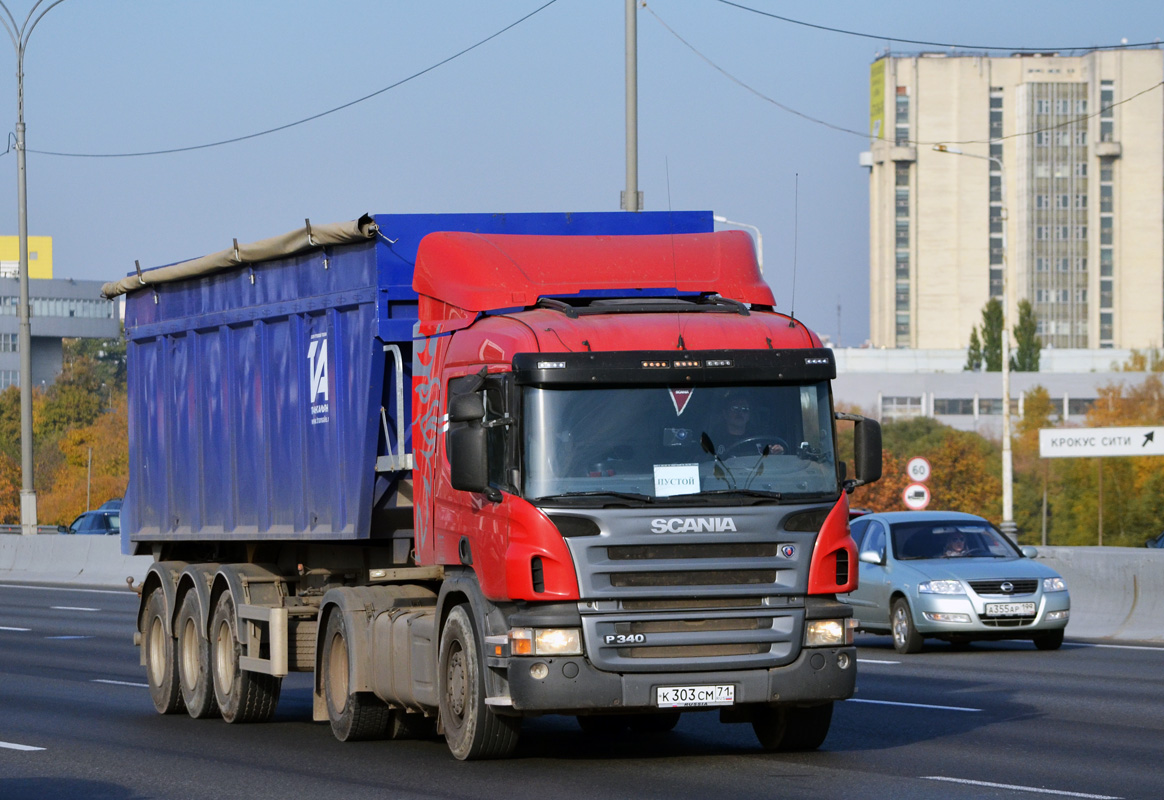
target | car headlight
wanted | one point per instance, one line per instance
(545, 642)
(1055, 584)
(941, 587)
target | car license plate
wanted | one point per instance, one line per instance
(1010, 609)
(720, 694)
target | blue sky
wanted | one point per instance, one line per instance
(530, 121)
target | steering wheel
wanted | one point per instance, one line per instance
(753, 445)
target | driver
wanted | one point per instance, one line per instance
(736, 413)
(956, 545)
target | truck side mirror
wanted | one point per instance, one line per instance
(468, 462)
(867, 444)
(468, 407)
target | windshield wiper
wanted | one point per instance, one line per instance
(746, 492)
(643, 498)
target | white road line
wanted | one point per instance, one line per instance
(875, 661)
(73, 608)
(1035, 789)
(1120, 646)
(68, 637)
(11, 746)
(911, 705)
(21, 630)
(121, 683)
(63, 589)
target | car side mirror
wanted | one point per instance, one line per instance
(1029, 552)
(870, 557)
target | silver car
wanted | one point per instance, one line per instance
(952, 576)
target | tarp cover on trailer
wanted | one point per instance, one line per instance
(288, 244)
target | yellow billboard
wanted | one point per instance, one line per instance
(877, 100)
(40, 257)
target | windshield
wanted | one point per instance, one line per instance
(949, 539)
(658, 444)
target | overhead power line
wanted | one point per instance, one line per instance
(922, 42)
(311, 118)
(865, 134)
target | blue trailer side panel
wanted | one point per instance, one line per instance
(259, 395)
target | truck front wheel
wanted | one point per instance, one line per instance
(472, 730)
(160, 656)
(242, 696)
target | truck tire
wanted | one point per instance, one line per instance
(770, 724)
(241, 696)
(472, 730)
(807, 728)
(906, 639)
(660, 722)
(161, 658)
(194, 677)
(354, 716)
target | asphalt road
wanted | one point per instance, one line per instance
(999, 720)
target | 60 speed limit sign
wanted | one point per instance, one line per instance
(918, 469)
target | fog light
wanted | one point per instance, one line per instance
(1058, 615)
(843, 660)
(935, 616)
(539, 671)
(545, 642)
(826, 633)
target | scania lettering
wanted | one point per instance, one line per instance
(469, 469)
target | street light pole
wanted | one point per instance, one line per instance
(1008, 523)
(759, 238)
(630, 197)
(20, 36)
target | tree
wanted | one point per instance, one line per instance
(992, 335)
(974, 352)
(1026, 356)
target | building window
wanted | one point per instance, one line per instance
(954, 406)
(1041, 264)
(1042, 201)
(1042, 106)
(8, 343)
(900, 407)
(902, 233)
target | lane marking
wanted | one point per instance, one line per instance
(73, 608)
(21, 630)
(1120, 646)
(875, 661)
(122, 683)
(68, 637)
(64, 589)
(26, 747)
(1035, 789)
(911, 705)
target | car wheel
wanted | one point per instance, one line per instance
(906, 639)
(1051, 640)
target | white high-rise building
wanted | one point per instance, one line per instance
(1059, 181)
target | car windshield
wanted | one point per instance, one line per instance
(679, 445)
(949, 539)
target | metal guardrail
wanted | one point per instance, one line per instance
(19, 529)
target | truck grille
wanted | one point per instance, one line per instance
(1020, 586)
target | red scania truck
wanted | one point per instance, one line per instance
(466, 469)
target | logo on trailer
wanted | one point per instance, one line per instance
(317, 374)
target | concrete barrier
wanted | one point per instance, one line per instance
(1116, 592)
(93, 562)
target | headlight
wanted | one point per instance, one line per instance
(828, 632)
(545, 642)
(1055, 584)
(941, 587)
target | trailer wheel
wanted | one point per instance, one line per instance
(242, 696)
(195, 680)
(354, 716)
(472, 730)
(160, 656)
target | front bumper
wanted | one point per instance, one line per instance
(979, 624)
(572, 684)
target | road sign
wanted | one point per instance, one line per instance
(1101, 442)
(916, 496)
(918, 469)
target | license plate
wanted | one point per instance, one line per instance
(1010, 609)
(720, 694)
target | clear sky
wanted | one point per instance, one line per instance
(532, 120)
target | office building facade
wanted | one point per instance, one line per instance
(1052, 173)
